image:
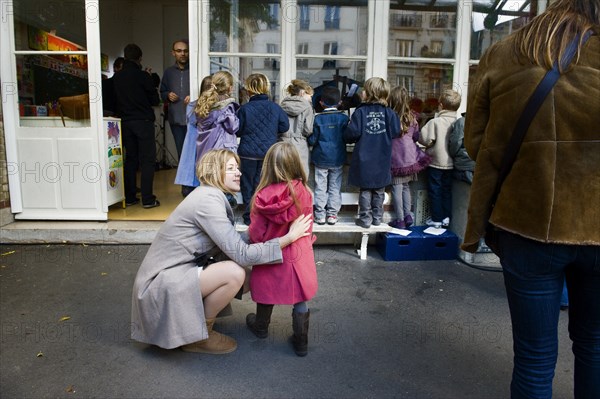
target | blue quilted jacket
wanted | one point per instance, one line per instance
(261, 120)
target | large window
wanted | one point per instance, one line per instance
(242, 27)
(52, 64)
(491, 26)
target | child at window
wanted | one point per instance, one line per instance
(434, 136)
(328, 156)
(407, 158)
(281, 196)
(186, 169)
(372, 127)
(298, 107)
(261, 120)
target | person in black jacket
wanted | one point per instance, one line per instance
(136, 95)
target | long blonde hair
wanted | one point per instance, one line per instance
(282, 163)
(376, 91)
(211, 168)
(222, 82)
(547, 36)
(399, 101)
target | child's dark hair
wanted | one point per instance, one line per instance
(330, 96)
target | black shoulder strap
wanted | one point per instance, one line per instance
(532, 107)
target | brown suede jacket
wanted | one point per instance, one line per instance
(552, 193)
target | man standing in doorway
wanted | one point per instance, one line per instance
(175, 91)
(136, 95)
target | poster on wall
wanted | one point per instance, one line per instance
(104, 62)
(56, 43)
(116, 189)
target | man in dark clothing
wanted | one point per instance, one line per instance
(109, 98)
(136, 94)
(175, 91)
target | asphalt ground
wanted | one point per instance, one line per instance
(423, 329)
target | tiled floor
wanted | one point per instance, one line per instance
(167, 192)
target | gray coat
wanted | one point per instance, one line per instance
(167, 308)
(301, 115)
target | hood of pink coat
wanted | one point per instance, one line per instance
(275, 202)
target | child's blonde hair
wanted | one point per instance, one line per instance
(296, 86)
(376, 91)
(282, 163)
(399, 102)
(222, 82)
(257, 83)
(450, 99)
(211, 168)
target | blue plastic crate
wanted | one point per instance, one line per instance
(398, 247)
(442, 247)
(417, 245)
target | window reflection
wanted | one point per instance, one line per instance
(243, 26)
(242, 67)
(422, 33)
(424, 82)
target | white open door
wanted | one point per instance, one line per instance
(56, 165)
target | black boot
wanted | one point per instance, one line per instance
(259, 323)
(300, 337)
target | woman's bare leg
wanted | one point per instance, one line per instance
(218, 284)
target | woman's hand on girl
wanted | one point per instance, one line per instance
(298, 229)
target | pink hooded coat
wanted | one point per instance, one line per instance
(294, 280)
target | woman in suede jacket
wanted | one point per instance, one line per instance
(547, 212)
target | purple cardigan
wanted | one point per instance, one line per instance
(407, 157)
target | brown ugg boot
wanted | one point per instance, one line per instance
(300, 328)
(215, 344)
(259, 322)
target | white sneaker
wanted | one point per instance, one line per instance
(431, 223)
(446, 222)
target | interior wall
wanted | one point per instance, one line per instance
(152, 25)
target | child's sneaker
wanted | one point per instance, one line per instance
(320, 221)
(408, 220)
(430, 222)
(332, 219)
(397, 224)
(446, 222)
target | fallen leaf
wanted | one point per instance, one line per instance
(40, 354)
(8, 253)
(64, 318)
(104, 274)
(70, 389)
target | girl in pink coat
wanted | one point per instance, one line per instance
(281, 196)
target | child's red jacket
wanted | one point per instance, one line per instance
(294, 280)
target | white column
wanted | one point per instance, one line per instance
(10, 97)
(460, 79)
(290, 15)
(379, 11)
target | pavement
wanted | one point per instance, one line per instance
(423, 329)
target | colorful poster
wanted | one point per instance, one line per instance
(115, 161)
(56, 43)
